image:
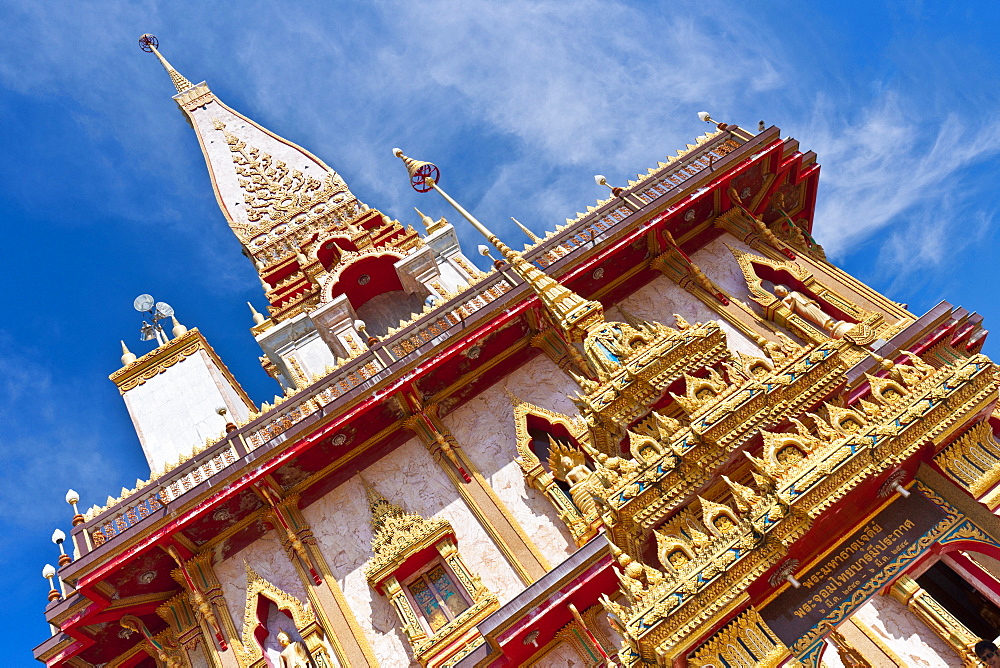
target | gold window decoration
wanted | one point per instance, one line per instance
(436, 597)
(416, 564)
(579, 513)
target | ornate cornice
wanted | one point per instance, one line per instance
(162, 358)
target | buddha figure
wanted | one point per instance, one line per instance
(570, 465)
(678, 558)
(850, 425)
(724, 523)
(293, 654)
(808, 308)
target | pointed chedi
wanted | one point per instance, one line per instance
(127, 355)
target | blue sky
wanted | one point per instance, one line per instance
(104, 193)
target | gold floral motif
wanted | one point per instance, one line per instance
(273, 192)
(973, 460)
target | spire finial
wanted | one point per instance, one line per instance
(574, 314)
(381, 508)
(148, 43)
(258, 319)
(531, 235)
(178, 329)
(127, 355)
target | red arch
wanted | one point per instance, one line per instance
(382, 277)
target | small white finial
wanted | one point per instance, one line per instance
(425, 219)
(704, 116)
(58, 536)
(127, 355)
(48, 571)
(72, 497)
(600, 179)
(258, 319)
(179, 329)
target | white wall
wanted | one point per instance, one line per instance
(175, 410)
(484, 426)
(410, 478)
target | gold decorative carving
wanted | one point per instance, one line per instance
(678, 267)
(973, 460)
(706, 561)
(849, 656)
(273, 192)
(397, 536)
(581, 526)
(801, 313)
(162, 646)
(745, 642)
(955, 634)
(303, 618)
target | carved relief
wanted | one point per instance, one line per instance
(745, 642)
(273, 192)
(973, 460)
(250, 650)
(439, 600)
(582, 524)
(812, 311)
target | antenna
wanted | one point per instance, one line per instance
(156, 311)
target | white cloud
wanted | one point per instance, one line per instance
(889, 165)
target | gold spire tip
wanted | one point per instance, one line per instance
(148, 43)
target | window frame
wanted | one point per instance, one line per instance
(421, 574)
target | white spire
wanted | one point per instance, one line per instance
(258, 319)
(127, 355)
(179, 329)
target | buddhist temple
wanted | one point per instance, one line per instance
(669, 432)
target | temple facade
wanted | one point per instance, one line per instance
(669, 432)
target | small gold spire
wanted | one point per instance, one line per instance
(531, 235)
(429, 222)
(573, 314)
(148, 43)
(381, 508)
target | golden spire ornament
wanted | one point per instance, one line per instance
(573, 314)
(148, 43)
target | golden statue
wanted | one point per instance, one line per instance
(803, 306)
(293, 654)
(570, 465)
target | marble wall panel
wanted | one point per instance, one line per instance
(175, 410)
(267, 557)
(719, 264)
(661, 298)
(905, 634)
(410, 478)
(484, 426)
(562, 654)
(197, 657)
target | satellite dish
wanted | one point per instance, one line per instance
(164, 310)
(143, 303)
